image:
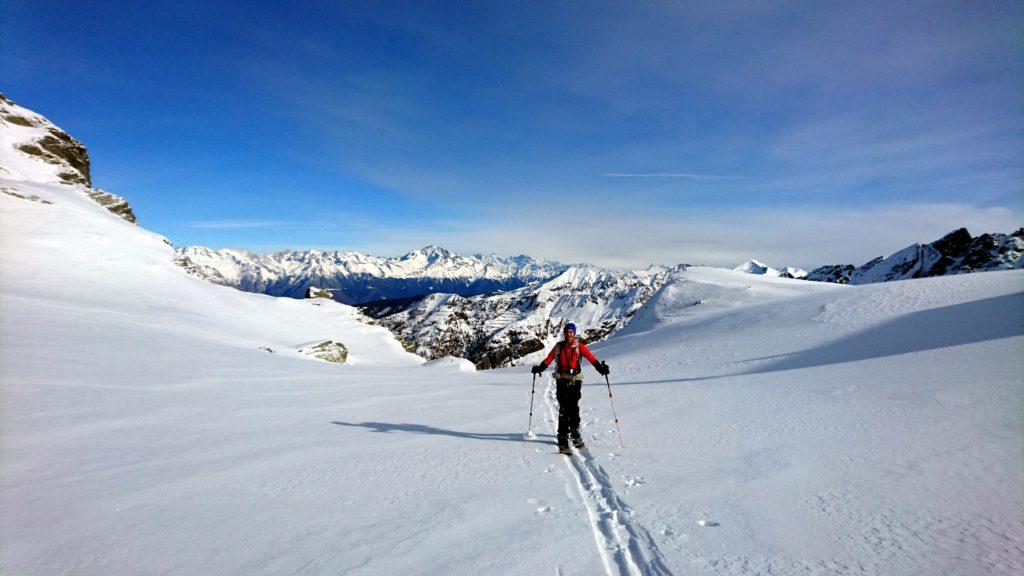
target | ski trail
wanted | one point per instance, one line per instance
(625, 546)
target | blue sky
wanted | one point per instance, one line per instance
(621, 134)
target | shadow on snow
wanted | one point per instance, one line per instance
(955, 325)
(423, 429)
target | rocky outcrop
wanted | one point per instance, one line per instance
(955, 253)
(837, 273)
(49, 143)
(328, 351)
(314, 292)
(35, 149)
(116, 204)
(30, 197)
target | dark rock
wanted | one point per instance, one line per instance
(114, 203)
(837, 273)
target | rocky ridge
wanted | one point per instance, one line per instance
(955, 253)
(34, 149)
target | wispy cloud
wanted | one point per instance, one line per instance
(807, 237)
(235, 224)
(684, 175)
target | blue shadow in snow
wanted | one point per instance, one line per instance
(955, 325)
(422, 429)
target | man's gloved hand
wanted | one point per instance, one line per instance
(538, 368)
(602, 368)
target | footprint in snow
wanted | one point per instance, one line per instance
(541, 506)
(632, 481)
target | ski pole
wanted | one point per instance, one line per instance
(613, 410)
(533, 386)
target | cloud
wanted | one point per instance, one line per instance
(805, 237)
(685, 175)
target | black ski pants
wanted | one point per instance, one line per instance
(568, 393)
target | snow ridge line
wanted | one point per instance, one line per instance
(625, 546)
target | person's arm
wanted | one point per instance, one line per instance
(588, 354)
(544, 365)
(601, 367)
(551, 356)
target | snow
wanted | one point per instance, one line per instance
(770, 426)
(756, 267)
(451, 363)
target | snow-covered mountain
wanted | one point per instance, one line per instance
(356, 278)
(762, 269)
(954, 253)
(495, 330)
(756, 267)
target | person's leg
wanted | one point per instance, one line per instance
(563, 394)
(573, 394)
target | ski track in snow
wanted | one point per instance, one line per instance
(625, 546)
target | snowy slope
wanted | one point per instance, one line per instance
(871, 429)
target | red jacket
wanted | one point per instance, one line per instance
(569, 356)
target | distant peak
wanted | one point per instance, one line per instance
(431, 251)
(756, 267)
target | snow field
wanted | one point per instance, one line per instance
(775, 426)
(870, 429)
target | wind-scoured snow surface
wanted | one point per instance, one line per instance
(771, 426)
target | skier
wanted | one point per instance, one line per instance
(569, 380)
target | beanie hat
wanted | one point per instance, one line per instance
(569, 326)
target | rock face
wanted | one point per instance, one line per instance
(48, 143)
(34, 149)
(116, 204)
(837, 273)
(955, 253)
(314, 292)
(496, 330)
(356, 278)
(328, 351)
(792, 272)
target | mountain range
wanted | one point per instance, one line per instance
(355, 278)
